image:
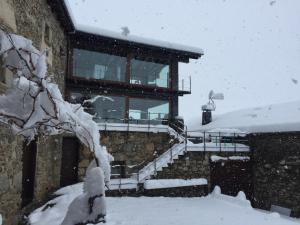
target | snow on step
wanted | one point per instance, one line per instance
(115, 184)
(124, 183)
(216, 158)
(170, 183)
(160, 162)
(215, 147)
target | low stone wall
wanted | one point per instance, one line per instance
(134, 148)
(193, 165)
(187, 191)
(276, 170)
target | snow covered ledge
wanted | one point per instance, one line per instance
(133, 127)
(172, 183)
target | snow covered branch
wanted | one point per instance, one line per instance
(34, 106)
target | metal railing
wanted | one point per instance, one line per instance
(185, 85)
(145, 118)
(221, 141)
(206, 141)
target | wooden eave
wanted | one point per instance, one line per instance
(60, 9)
(130, 46)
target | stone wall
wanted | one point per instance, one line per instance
(193, 165)
(135, 148)
(187, 191)
(10, 175)
(48, 165)
(276, 170)
(29, 18)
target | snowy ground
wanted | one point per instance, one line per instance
(215, 209)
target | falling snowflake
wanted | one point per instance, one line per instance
(272, 3)
(294, 81)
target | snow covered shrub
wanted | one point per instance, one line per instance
(33, 106)
(93, 196)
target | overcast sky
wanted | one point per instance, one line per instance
(252, 48)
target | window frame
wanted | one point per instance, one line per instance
(130, 55)
(155, 99)
(151, 60)
(127, 99)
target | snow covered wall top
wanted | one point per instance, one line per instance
(271, 118)
(80, 25)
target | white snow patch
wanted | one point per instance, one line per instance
(240, 199)
(89, 206)
(271, 118)
(216, 209)
(216, 158)
(133, 127)
(124, 183)
(81, 26)
(170, 183)
(217, 147)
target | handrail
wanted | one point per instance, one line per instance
(219, 140)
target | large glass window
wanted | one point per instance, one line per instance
(96, 65)
(149, 73)
(104, 108)
(142, 110)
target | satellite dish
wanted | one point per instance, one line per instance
(215, 96)
(211, 106)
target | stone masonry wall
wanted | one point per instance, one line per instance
(276, 170)
(135, 148)
(192, 165)
(28, 18)
(48, 166)
(10, 175)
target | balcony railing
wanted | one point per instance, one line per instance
(185, 85)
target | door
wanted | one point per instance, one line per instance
(232, 177)
(28, 173)
(69, 163)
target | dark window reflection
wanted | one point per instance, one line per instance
(104, 108)
(149, 73)
(96, 65)
(141, 110)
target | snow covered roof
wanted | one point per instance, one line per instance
(80, 26)
(283, 117)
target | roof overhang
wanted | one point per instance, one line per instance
(61, 10)
(92, 39)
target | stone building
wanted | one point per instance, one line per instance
(276, 171)
(134, 84)
(29, 173)
(273, 132)
(131, 86)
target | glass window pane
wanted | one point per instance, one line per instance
(96, 65)
(104, 108)
(141, 110)
(149, 73)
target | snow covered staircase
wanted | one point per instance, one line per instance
(159, 163)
